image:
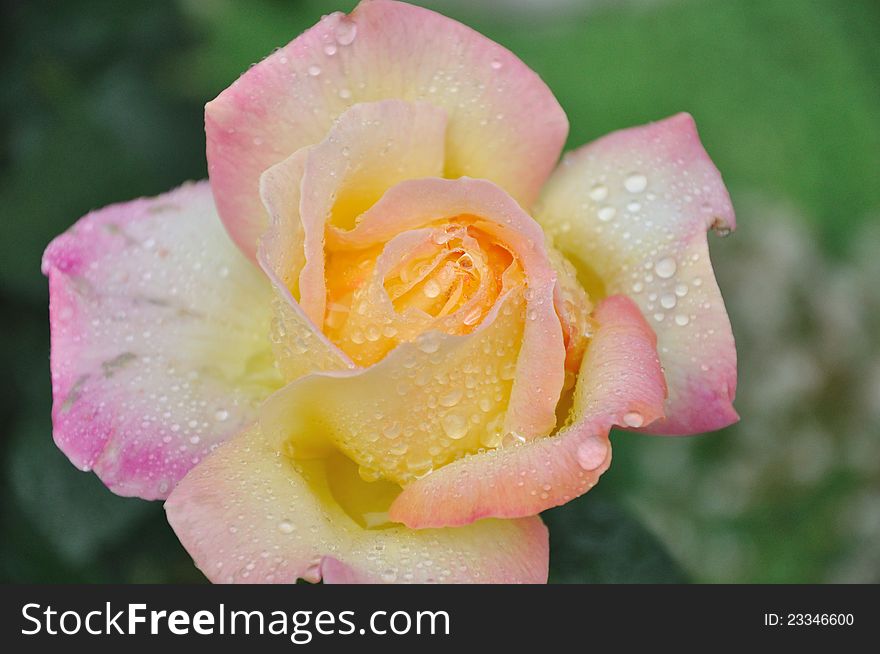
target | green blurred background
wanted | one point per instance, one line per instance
(102, 102)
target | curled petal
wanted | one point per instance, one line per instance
(620, 383)
(297, 342)
(298, 345)
(504, 123)
(631, 211)
(371, 147)
(160, 346)
(247, 514)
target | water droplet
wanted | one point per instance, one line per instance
(429, 343)
(330, 49)
(512, 439)
(681, 320)
(665, 268)
(454, 425)
(681, 290)
(508, 370)
(389, 576)
(431, 289)
(314, 70)
(451, 398)
(345, 94)
(286, 527)
(368, 474)
(607, 213)
(496, 65)
(636, 183)
(633, 419)
(591, 453)
(599, 192)
(473, 316)
(220, 415)
(346, 31)
(667, 301)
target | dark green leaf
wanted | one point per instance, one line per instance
(595, 540)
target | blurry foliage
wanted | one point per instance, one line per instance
(102, 101)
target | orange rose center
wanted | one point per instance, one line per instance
(442, 277)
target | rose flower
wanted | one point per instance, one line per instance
(387, 334)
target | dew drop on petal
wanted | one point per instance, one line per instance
(633, 419)
(599, 192)
(452, 398)
(346, 31)
(591, 453)
(454, 425)
(607, 213)
(512, 439)
(431, 289)
(665, 268)
(636, 183)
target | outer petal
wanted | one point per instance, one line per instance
(633, 208)
(620, 383)
(247, 514)
(160, 346)
(504, 124)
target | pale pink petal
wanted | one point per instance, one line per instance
(620, 383)
(632, 209)
(160, 346)
(504, 123)
(249, 515)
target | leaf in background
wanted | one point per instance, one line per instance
(594, 540)
(72, 510)
(86, 120)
